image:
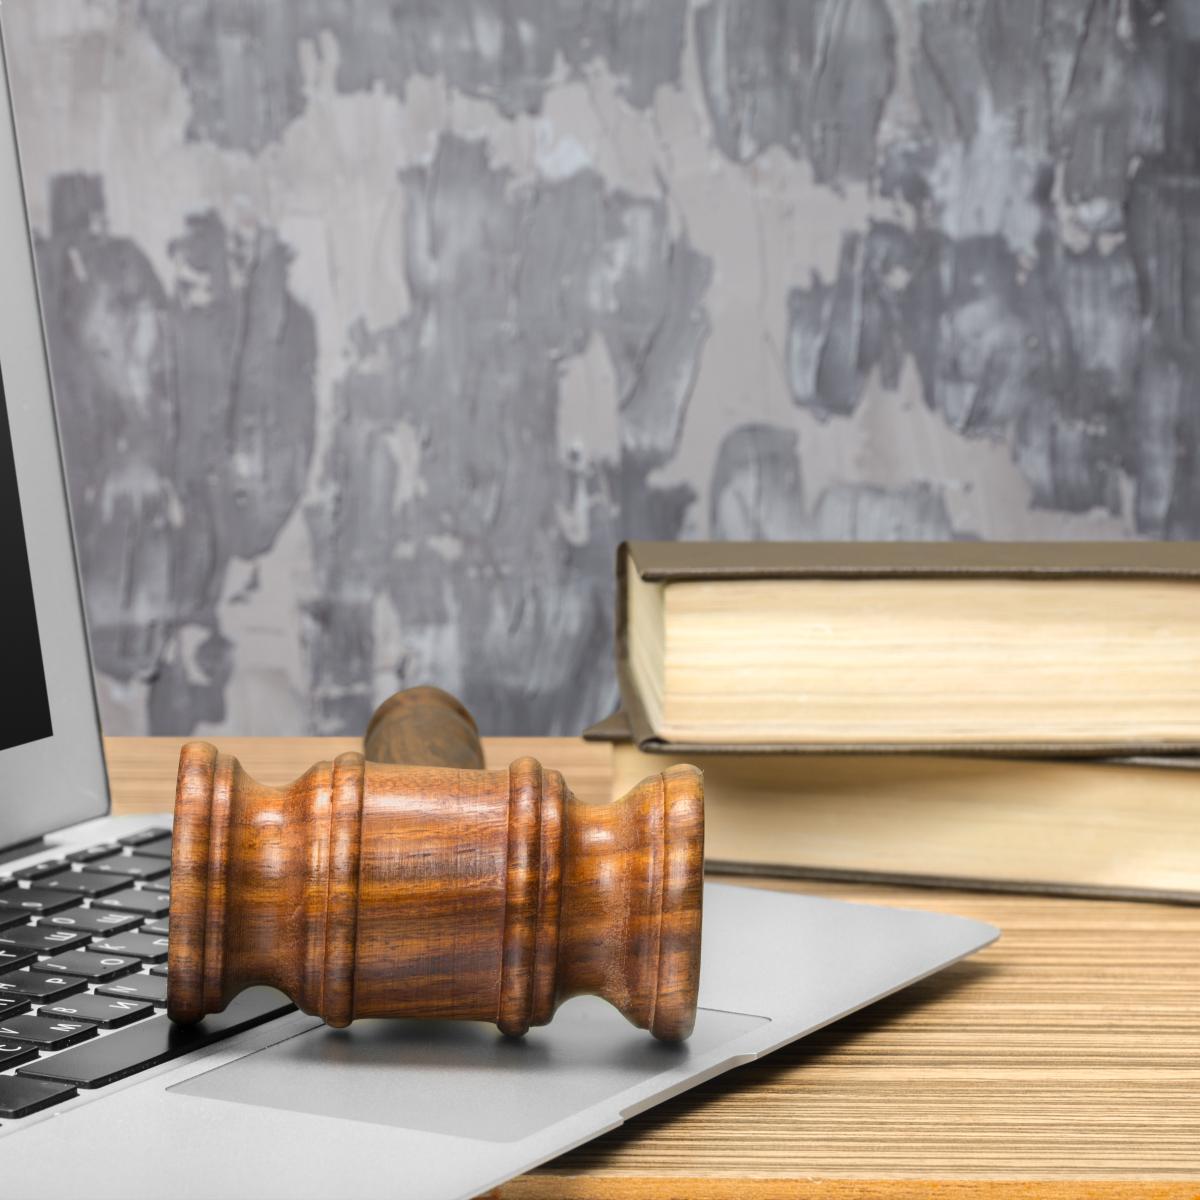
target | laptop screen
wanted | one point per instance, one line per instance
(51, 765)
(30, 719)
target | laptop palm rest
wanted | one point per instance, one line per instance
(464, 1108)
(451, 1076)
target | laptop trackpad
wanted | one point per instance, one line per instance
(464, 1078)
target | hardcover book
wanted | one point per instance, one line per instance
(1127, 830)
(1059, 649)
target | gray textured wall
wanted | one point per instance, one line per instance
(376, 325)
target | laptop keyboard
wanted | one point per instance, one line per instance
(83, 966)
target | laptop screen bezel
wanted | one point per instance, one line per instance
(58, 780)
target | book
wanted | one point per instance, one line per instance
(1127, 829)
(1076, 649)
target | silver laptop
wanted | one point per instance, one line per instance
(100, 1096)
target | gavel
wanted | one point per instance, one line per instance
(411, 882)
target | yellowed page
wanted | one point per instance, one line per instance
(945, 661)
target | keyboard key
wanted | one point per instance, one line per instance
(11, 958)
(12, 1008)
(33, 900)
(40, 869)
(81, 856)
(159, 969)
(157, 1041)
(46, 1033)
(11, 917)
(137, 987)
(20, 1097)
(109, 1012)
(134, 865)
(163, 926)
(161, 884)
(6, 882)
(150, 904)
(100, 968)
(37, 986)
(42, 939)
(90, 920)
(13, 1054)
(159, 848)
(144, 835)
(84, 883)
(145, 946)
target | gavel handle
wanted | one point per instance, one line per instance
(423, 727)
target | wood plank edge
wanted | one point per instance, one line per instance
(548, 1186)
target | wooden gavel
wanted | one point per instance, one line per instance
(413, 883)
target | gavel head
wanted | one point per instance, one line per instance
(370, 889)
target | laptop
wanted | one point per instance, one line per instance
(101, 1096)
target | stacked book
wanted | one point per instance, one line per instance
(1020, 717)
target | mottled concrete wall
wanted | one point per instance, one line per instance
(376, 326)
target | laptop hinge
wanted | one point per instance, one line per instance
(21, 849)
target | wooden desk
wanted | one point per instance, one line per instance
(1067, 1052)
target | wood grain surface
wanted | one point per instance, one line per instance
(1064, 1061)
